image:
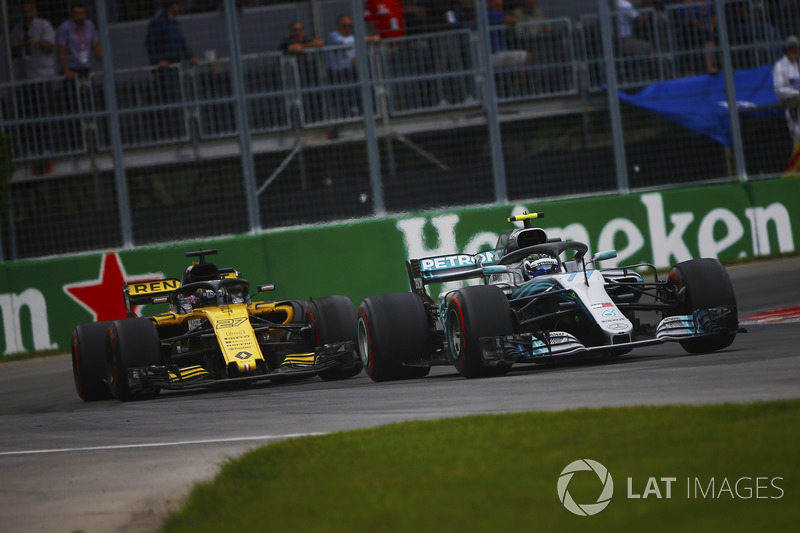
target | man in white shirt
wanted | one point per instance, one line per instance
(341, 64)
(628, 44)
(33, 45)
(786, 82)
(33, 42)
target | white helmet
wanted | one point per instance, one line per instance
(537, 267)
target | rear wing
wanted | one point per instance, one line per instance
(443, 268)
(148, 292)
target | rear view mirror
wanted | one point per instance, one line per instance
(602, 256)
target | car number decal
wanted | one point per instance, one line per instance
(231, 322)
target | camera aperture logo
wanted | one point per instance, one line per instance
(585, 509)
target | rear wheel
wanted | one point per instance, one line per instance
(705, 284)
(131, 343)
(89, 361)
(393, 329)
(475, 312)
(334, 320)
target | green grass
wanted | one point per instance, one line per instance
(499, 473)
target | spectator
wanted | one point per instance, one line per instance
(341, 66)
(296, 46)
(504, 59)
(628, 44)
(164, 41)
(76, 38)
(386, 18)
(397, 58)
(33, 45)
(786, 82)
(166, 48)
(701, 27)
(440, 54)
(298, 41)
(501, 56)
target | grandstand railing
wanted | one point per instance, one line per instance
(411, 75)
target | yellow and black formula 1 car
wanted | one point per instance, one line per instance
(212, 335)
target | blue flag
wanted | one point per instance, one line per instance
(700, 104)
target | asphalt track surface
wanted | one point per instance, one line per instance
(66, 465)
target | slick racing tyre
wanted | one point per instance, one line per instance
(704, 284)
(131, 343)
(393, 329)
(472, 313)
(333, 319)
(89, 361)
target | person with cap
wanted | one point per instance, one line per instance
(786, 82)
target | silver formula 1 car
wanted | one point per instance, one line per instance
(541, 301)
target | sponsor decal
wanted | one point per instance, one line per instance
(163, 285)
(457, 260)
(665, 236)
(102, 297)
(11, 306)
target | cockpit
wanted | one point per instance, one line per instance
(213, 293)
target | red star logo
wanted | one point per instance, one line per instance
(103, 297)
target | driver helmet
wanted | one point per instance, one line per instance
(535, 266)
(205, 297)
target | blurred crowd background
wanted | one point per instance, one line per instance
(147, 121)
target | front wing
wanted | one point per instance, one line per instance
(555, 345)
(192, 377)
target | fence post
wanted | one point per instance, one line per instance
(490, 102)
(730, 92)
(370, 132)
(110, 93)
(242, 117)
(617, 134)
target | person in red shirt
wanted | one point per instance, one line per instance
(386, 18)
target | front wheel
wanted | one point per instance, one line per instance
(393, 331)
(703, 285)
(89, 361)
(333, 320)
(473, 313)
(131, 343)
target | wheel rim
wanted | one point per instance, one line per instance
(363, 342)
(454, 335)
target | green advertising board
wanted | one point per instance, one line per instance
(42, 300)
